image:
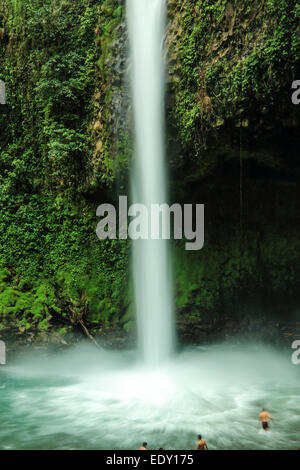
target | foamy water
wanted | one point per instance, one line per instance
(87, 399)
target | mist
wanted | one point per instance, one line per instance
(89, 399)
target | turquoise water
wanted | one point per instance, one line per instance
(86, 399)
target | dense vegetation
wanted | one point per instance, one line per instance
(65, 148)
(50, 256)
(235, 136)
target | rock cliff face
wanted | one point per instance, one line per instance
(65, 147)
(231, 69)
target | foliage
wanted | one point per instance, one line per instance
(65, 144)
(47, 221)
(232, 61)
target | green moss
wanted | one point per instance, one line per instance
(9, 297)
(228, 60)
(43, 325)
(4, 274)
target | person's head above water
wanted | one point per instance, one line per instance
(199, 437)
(145, 444)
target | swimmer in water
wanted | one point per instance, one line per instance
(264, 417)
(144, 446)
(201, 445)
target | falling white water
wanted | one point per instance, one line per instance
(153, 295)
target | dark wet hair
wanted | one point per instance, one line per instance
(199, 437)
(145, 444)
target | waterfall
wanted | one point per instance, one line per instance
(151, 266)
